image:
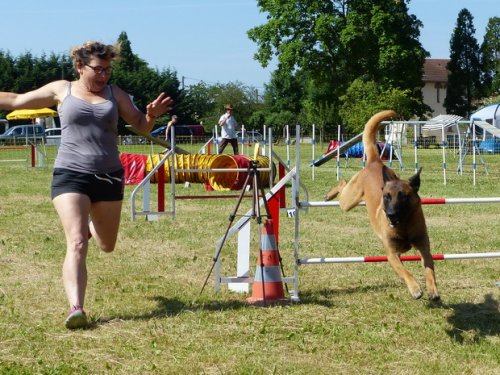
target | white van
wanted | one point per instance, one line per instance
(53, 136)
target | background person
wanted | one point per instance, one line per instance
(172, 122)
(228, 130)
(88, 178)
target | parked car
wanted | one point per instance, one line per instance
(250, 136)
(22, 133)
(53, 136)
(180, 131)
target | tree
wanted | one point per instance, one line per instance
(6, 71)
(27, 72)
(198, 102)
(205, 103)
(283, 93)
(490, 52)
(282, 100)
(336, 42)
(6, 74)
(135, 76)
(464, 67)
(242, 97)
(319, 107)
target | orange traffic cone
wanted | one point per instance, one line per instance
(267, 287)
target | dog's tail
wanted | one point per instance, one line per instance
(370, 134)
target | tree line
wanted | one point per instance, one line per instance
(338, 62)
(200, 103)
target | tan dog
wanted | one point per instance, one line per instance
(394, 209)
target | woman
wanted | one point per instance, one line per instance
(87, 184)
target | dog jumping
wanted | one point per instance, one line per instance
(394, 209)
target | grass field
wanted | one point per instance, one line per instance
(148, 316)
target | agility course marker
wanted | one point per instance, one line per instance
(14, 151)
(403, 258)
(268, 283)
(29, 153)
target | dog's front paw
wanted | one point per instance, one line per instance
(416, 293)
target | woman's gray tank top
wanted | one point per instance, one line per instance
(88, 135)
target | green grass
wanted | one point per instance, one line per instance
(148, 316)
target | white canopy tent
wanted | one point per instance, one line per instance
(489, 114)
(487, 119)
(443, 122)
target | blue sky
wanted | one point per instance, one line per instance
(200, 39)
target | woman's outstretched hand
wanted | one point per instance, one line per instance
(161, 105)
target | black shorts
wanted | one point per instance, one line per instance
(98, 187)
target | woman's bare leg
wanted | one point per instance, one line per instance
(105, 223)
(73, 210)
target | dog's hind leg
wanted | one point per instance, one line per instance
(352, 193)
(410, 281)
(336, 190)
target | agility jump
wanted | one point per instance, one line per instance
(293, 175)
(218, 172)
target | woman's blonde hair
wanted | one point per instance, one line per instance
(84, 53)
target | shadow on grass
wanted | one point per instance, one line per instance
(168, 307)
(325, 297)
(472, 322)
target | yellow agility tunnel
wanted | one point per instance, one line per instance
(219, 181)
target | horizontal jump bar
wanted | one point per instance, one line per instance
(210, 196)
(424, 201)
(404, 258)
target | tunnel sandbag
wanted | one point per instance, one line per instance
(134, 166)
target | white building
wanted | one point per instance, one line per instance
(436, 80)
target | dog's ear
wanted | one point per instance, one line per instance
(414, 181)
(387, 175)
